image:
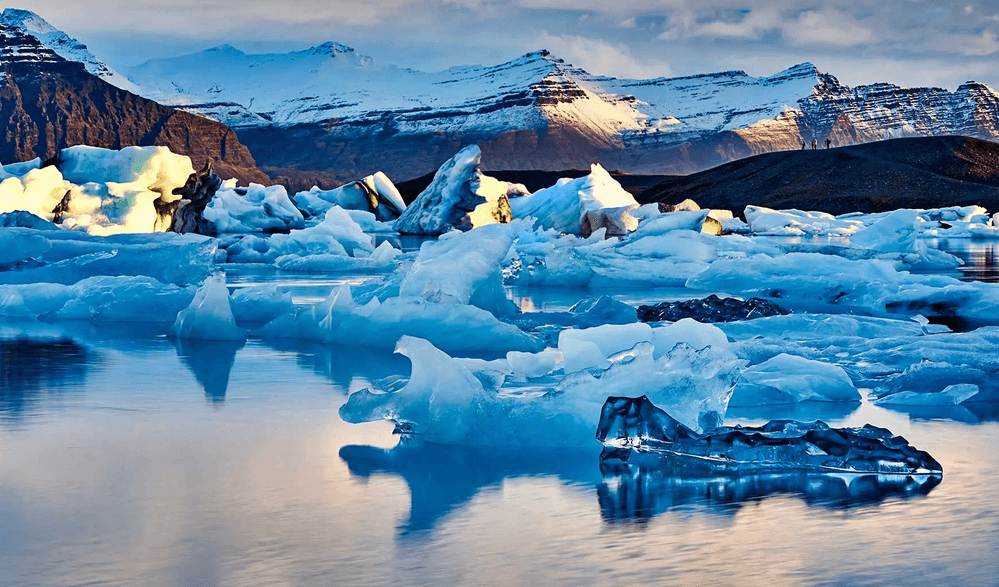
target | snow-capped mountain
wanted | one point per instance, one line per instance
(50, 103)
(63, 45)
(538, 111)
(330, 110)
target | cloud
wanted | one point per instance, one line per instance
(827, 27)
(600, 57)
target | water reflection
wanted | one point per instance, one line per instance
(342, 364)
(30, 368)
(807, 411)
(968, 412)
(444, 478)
(210, 361)
(980, 257)
(637, 494)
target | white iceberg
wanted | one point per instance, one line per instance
(565, 205)
(209, 317)
(459, 197)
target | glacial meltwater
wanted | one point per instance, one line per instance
(129, 458)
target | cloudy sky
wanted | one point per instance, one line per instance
(910, 42)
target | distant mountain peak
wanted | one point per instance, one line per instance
(27, 20)
(331, 48)
(61, 44)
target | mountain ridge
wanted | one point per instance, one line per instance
(49, 103)
(330, 113)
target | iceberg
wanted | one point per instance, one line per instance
(337, 234)
(253, 209)
(567, 206)
(375, 193)
(456, 328)
(788, 379)
(634, 430)
(464, 268)
(459, 197)
(446, 401)
(209, 317)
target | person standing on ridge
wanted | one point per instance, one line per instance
(802, 145)
(815, 144)
(828, 142)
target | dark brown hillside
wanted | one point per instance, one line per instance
(48, 103)
(928, 172)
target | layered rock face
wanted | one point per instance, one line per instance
(342, 116)
(48, 103)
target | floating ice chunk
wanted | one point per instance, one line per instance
(460, 196)
(253, 209)
(20, 168)
(532, 365)
(38, 191)
(17, 245)
(445, 402)
(463, 268)
(209, 317)
(382, 259)
(439, 401)
(375, 194)
(124, 299)
(73, 256)
(696, 384)
(154, 168)
(33, 300)
(895, 233)
(952, 395)
(260, 304)
(455, 328)
(690, 332)
(614, 221)
(932, 377)
(337, 234)
(590, 347)
(565, 205)
(680, 220)
(636, 431)
(798, 223)
(788, 379)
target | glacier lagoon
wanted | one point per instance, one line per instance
(175, 408)
(131, 458)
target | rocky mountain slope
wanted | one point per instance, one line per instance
(48, 103)
(328, 108)
(923, 172)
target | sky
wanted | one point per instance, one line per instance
(908, 42)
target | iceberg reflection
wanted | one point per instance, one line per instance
(210, 361)
(444, 478)
(635, 493)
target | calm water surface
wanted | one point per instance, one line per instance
(130, 459)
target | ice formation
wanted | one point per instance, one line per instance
(338, 234)
(101, 190)
(446, 402)
(635, 430)
(460, 196)
(581, 206)
(209, 317)
(456, 328)
(375, 193)
(788, 378)
(254, 209)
